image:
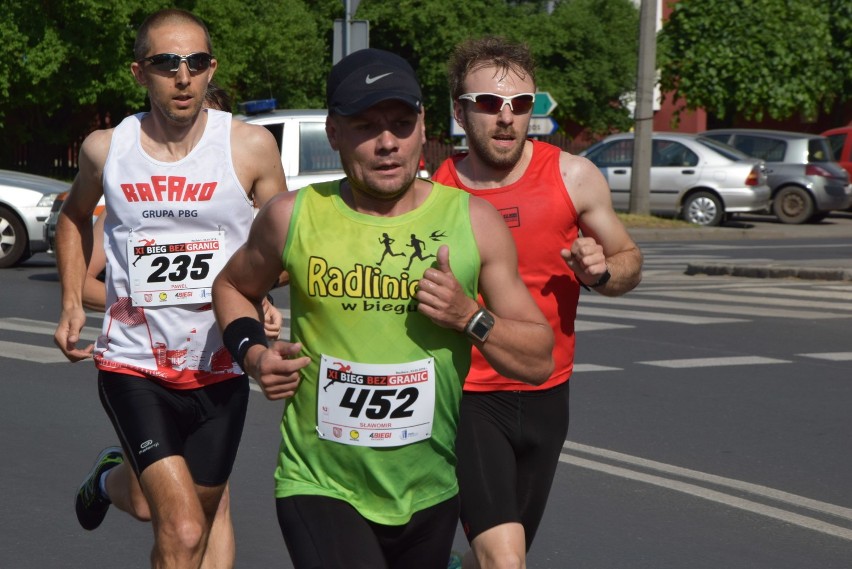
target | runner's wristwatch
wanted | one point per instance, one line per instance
(603, 280)
(479, 325)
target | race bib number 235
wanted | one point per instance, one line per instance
(174, 268)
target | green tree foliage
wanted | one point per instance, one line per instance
(755, 57)
(64, 67)
(586, 51)
(840, 25)
(268, 49)
(425, 33)
(64, 64)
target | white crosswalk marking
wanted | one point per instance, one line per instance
(89, 334)
(831, 356)
(588, 326)
(824, 293)
(654, 316)
(30, 353)
(714, 362)
(674, 299)
(666, 306)
(582, 368)
(704, 296)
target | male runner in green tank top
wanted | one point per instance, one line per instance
(365, 474)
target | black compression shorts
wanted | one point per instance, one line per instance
(508, 447)
(325, 533)
(153, 422)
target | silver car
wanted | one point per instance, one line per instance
(25, 201)
(806, 183)
(696, 179)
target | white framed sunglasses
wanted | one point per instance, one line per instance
(493, 103)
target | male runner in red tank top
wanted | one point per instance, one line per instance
(559, 210)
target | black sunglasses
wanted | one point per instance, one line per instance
(170, 62)
(492, 103)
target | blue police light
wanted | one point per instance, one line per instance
(258, 106)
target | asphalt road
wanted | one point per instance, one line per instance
(710, 422)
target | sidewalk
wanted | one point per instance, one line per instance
(838, 228)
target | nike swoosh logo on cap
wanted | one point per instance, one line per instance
(370, 80)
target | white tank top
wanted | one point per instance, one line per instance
(169, 228)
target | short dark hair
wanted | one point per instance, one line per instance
(169, 16)
(476, 53)
(217, 98)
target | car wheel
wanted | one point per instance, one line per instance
(703, 208)
(13, 239)
(793, 205)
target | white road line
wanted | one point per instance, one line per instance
(831, 356)
(707, 307)
(89, 333)
(763, 300)
(581, 368)
(778, 495)
(822, 293)
(31, 353)
(587, 326)
(714, 362)
(713, 496)
(652, 316)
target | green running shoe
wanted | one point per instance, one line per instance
(90, 505)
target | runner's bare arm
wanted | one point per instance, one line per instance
(94, 291)
(244, 282)
(521, 341)
(257, 162)
(74, 242)
(605, 243)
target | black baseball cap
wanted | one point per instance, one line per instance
(369, 76)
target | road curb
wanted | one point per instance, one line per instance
(770, 271)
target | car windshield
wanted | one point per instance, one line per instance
(728, 152)
(819, 150)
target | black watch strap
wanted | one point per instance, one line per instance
(603, 280)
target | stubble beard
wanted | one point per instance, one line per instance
(497, 158)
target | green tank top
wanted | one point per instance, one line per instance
(374, 420)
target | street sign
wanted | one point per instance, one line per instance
(544, 104)
(542, 126)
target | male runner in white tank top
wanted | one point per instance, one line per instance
(179, 184)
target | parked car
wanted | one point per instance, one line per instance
(694, 178)
(50, 224)
(306, 154)
(25, 201)
(806, 184)
(840, 141)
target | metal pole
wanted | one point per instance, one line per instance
(640, 179)
(347, 27)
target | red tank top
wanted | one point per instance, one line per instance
(543, 221)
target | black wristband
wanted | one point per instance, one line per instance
(242, 334)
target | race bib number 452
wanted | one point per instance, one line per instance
(176, 268)
(376, 405)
